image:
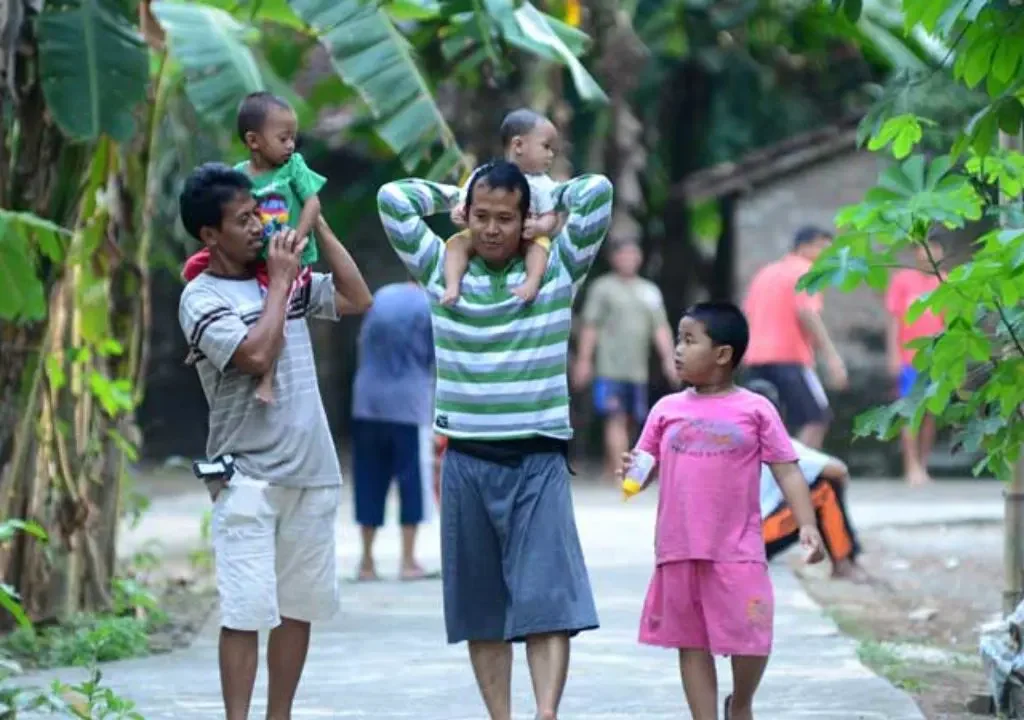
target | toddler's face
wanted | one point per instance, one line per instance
(536, 151)
(276, 140)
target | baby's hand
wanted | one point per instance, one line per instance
(459, 215)
(529, 229)
(813, 545)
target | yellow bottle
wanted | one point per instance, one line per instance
(637, 474)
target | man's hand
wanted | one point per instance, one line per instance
(283, 254)
(837, 372)
(583, 372)
(459, 215)
(813, 545)
(215, 488)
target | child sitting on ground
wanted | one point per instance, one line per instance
(826, 478)
(711, 593)
(528, 139)
(283, 185)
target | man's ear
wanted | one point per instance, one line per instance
(209, 236)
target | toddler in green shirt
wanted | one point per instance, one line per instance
(284, 187)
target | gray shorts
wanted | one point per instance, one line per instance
(511, 560)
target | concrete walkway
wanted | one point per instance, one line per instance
(384, 655)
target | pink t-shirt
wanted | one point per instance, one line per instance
(905, 287)
(709, 451)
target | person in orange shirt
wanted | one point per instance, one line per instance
(786, 331)
(906, 286)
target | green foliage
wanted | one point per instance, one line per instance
(971, 376)
(82, 642)
(26, 242)
(9, 601)
(94, 67)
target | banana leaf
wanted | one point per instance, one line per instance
(210, 45)
(94, 68)
(374, 59)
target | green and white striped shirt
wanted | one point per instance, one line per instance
(501, 364)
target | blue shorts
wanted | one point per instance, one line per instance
(908, 376)
(383, 451)
(612, 397)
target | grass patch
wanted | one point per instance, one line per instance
(886, 663)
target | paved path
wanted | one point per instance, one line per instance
(384, 655)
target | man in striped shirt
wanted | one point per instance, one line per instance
(513, 568)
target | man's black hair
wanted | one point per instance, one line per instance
(501, 175)
(253, 111)
(725, 324)
(207, 190)
(808, 234)
(519, 122)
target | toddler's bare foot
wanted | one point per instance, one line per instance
(918, 476)
(450, 296)
(527, 292)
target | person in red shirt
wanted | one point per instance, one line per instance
(905, 287)
(786, 332)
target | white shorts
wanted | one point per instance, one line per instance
(274, 553)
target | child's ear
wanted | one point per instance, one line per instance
(517, 144)
(723, 355)
(251, 140)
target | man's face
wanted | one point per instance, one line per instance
(627, 259)
(495, 222)
(239, 238)
(816, 247)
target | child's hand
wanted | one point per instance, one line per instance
(624, 462)
(459, 215)
(813, 545)
(529, 229)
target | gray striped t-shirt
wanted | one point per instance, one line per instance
(288, 442)
(501, 363)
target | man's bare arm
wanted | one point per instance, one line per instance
(813, 325)
(351, 294)
(258, 352)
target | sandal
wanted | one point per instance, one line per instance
(727, 708)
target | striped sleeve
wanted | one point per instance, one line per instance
(588, 200)
(211, 326)
(402, 206)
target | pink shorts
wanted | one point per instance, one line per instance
(725, 608)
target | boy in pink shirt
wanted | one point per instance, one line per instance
(906, 286)
(711, 593)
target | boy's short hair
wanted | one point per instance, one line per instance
(725, 324)
(808, 234)
(519, 122)
(207, 190)
(253, 111)
(501, 175)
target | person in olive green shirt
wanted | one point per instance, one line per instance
(623, 314)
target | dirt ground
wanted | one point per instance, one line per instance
(918, 620)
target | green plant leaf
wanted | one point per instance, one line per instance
(9, 602)
(210, 45)
(373, 58)
(29, 527)
(94, 67)
(22, 297)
